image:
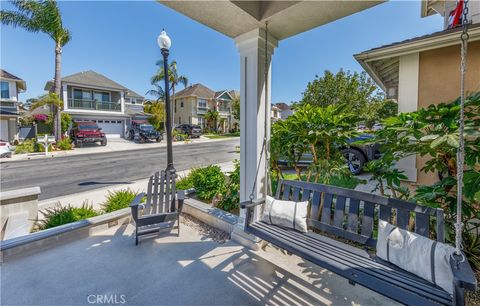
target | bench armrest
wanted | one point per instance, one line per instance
(463, 274)
(250, 204)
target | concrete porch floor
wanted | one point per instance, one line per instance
(170, 270)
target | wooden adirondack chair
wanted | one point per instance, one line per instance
(162, 206)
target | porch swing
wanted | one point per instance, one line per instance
(352, 215)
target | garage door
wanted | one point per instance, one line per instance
(4, 130)
(111, 128)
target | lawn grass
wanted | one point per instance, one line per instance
(220, 136)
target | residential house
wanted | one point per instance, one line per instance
(425, 70)
(275, 113)
(90, 96)
(194, 101)
(285, 109)
(11, 86)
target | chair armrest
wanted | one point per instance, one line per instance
(463, 274)
(180, 199)
(250, 204)
(137, 200)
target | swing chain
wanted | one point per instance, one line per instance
(460, 153)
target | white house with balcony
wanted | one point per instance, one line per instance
(11, 86)
(90, 96)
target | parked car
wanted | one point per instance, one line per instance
(87, 132)
(357, 155)
(193, 131)
(377, 127)
(5, 149)
(142, 131)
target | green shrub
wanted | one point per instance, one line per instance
(65, 144)
(184, 183)
(41, 148)
(230, 196)
(118, 199)
(28, 146)
(208, 181)
(60, 215)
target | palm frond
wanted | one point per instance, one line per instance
(182, 80)
(17, 19)
(48, 99)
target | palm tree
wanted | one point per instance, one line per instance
(157, 108)
(174, 79)
(42, 16)
(157, 92)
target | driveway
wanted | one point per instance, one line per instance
(61, 176)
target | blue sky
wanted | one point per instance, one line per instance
(118, 39)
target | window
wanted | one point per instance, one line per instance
(5, 90)
(181, 103)
(133, 101)
(180, 120)
(101, 96)
(79, 94)
(202, 103)
(100, 121)
(107, 121)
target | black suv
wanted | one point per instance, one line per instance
(142, 131)
(357, 155)
(193, 131)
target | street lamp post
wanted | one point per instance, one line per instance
(164, 43)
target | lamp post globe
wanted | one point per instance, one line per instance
(165, 43)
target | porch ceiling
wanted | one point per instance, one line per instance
(286, 18)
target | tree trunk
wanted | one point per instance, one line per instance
(57, 89)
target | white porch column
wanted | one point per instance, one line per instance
(253, 95)
(65, 96)
(122, 102)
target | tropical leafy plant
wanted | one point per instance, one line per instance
(433, 132)
(118, 199)
(319, 131)
(42, 16)
(59, 215)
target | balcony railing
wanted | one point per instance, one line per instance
(95, 105)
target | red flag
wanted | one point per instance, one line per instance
(455, 16)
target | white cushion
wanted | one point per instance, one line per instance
(417, 254)
(286, 213)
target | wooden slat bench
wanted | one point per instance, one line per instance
(353, 216)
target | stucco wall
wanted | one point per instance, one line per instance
(439, 81)
(187, 111)
(439, 74)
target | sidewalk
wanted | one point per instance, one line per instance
(97, 196)
(113, 145)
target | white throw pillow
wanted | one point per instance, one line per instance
(286, 213)
(417, 254)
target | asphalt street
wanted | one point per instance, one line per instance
(61, 176)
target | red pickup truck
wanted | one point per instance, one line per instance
(87, 132)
